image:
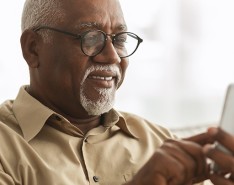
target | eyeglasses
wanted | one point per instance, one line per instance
(94, 41)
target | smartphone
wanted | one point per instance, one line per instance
(227, 119)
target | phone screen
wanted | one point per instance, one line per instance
(227, 119)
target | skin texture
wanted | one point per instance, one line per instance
(225, 161)
(184, 162)
(176, 163)
(57, 68)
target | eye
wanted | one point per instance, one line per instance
(93, 38)
(120, 40)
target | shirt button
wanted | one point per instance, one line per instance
(95, 178)
(85, 140)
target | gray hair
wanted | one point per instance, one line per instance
(41, 12)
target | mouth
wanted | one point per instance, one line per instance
(102, 79)
(109, 78)
(102, 76)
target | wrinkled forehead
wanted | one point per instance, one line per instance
(106, 14)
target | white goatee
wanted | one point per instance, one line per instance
(106, 99)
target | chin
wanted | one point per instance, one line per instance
(102, 104)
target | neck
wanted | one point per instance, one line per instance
(86, 124)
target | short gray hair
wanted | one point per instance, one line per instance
(41, 12)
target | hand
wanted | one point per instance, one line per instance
(202, 139)
(176, 162)
(225, 161)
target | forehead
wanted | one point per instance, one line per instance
(105, 14)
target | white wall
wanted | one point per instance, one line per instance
(179, 74)
(13, 69)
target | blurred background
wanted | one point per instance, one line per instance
(179, 75)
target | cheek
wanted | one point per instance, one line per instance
(62, 67)
(72, 75)
(71, 62)
(123, 65)
(69, 72)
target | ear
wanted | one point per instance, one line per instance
(30, 42)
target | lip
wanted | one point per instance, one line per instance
(102, 79)
(103, 74)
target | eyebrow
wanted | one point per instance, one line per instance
(122, 27)
(90, 25)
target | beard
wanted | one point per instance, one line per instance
(105, 97)
(103, 104)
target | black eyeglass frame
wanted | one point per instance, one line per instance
(80, 36)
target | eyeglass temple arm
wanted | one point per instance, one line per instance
(136, 37)
(57, 30)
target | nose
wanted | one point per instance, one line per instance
(108, 54)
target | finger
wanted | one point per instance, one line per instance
(220, 180)
(166, 165)
(202, 139)
(231, 177)
(197, 166)
(156, 179)
(222, 137)
(188, 163)
(196, 153)
(223, 160)
(161, 165)
(159, 179)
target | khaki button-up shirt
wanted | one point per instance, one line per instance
(40, 147)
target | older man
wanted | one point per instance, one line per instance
(62, 128)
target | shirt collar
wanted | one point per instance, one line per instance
(114, 117)
(30, 114)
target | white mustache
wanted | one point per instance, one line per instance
(113, 68)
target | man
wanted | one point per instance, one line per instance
(62, 128)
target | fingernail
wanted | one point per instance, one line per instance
(206, 149)
(212, 131)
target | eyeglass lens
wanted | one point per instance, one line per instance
(93, 43)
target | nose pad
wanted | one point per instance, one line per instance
(108, 54)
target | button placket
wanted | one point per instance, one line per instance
(88, 151)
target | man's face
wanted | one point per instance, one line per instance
(71, 82)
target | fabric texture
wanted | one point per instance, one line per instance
(41, 147)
